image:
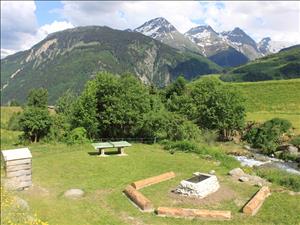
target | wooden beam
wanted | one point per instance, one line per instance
(193, 213)
(18, 173)
(18, 167)
(139, 199)
(17, 162)
(152, 180)
(252, 207)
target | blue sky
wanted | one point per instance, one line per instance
(23, 24)
(45, 11)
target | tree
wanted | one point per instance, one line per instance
(112, 106)
(38, 98)
(177, 87)
(65, 103)
(35, 122)
(218, 106)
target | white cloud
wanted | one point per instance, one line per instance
(19, 27)
(280, 20)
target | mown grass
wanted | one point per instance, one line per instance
(281, 96)
(57, 168)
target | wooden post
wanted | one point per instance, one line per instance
(152, 180)
(193, 213)
(252, 207)
(139, 199)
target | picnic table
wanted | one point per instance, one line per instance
(120, 145)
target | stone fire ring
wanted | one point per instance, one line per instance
(145, 205)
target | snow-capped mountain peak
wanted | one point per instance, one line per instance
(204, 31)
(267, 45)
(156, 28)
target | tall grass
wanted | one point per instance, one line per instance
(291, 181)
(203, 150)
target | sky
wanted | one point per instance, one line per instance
(25, 23)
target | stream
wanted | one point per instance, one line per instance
(262, 160)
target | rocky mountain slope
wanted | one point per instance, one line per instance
(228, 48)
(68, 59)
(162, 30)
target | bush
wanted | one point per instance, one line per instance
(267, 136)
(77, 136)
(209, 136)
(179, 128)
(14, 122)
(296, 141)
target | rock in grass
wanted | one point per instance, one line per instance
(212, 172)
(21, 203)
(237, 172)
(74, 193)
(244, 179)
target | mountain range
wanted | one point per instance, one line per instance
(228, 48)
(155, 52)
(68, 59)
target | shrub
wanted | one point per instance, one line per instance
(14, 122)
(77, 136)
(179, 128)
(267, 136)
(296, 141)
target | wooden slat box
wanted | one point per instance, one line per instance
(18, 167)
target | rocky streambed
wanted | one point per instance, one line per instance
(259, 160)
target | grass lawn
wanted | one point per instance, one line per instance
(57, 168)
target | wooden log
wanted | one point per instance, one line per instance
(25, 184)
(193, 213)
(152, 180)
(252, 207)
(139, 199)
(24, 178)
(18, 167)
(17, 162)
(18, 173)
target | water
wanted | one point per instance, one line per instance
(260, 160)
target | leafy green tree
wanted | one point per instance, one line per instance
(35, 122)
(218, 107)
(112, 106)
(177, 87)
(65, 103)
(38, 98)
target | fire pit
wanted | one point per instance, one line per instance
(200, 185)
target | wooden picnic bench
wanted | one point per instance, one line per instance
(120, 145)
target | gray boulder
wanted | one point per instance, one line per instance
(293, 150)
(74, 193)
(238, 172)
(20, 203)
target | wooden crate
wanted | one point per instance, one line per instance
(18, 167)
